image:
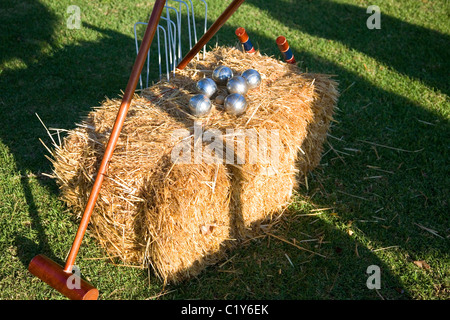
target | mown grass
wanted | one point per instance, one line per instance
(384, 174)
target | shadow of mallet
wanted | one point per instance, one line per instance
(46, 269)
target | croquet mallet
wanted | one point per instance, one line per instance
(43, 267)
(48, 270)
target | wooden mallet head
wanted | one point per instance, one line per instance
(68, 283)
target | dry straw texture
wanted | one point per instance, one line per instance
(178, 217)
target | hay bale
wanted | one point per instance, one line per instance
(180, 218)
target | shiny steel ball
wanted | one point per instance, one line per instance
(222, 74)
(237, 84)
(252, 77)
(199, 105)
(235, 104)
(207, 86)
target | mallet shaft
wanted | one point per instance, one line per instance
(210, 33)
(120, 119)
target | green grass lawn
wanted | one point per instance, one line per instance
(380, 196)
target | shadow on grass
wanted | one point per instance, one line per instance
(27, 249)
(55, 88)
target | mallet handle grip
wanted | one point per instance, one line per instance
(210, 33)
(120, 119)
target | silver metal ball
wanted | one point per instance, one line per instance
(237, 84)
(235, 104)
(252, 77)
(199, 105)
(222, 74)
(207, 86)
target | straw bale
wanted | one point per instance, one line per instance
(178, 217)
